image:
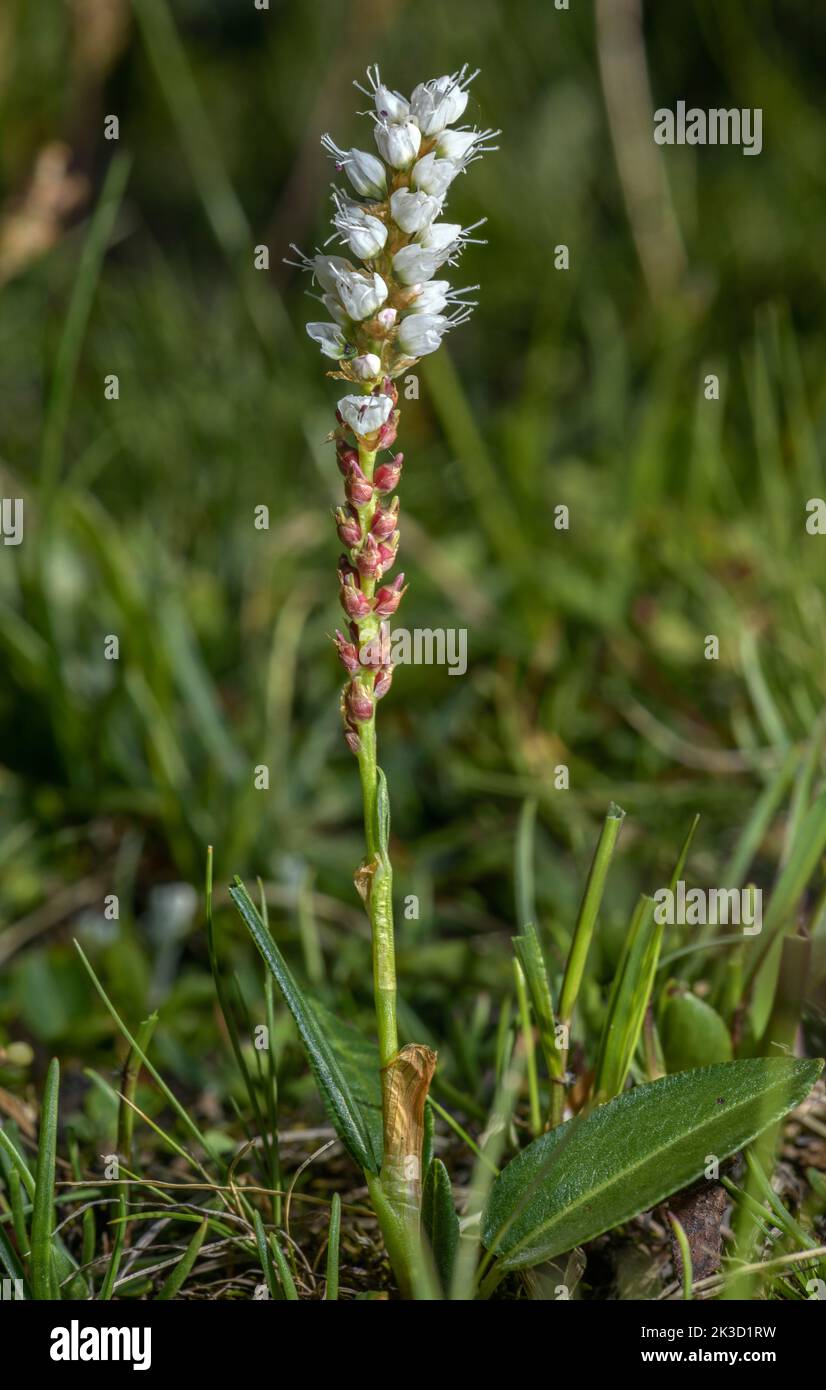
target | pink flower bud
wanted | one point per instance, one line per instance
(386, 318)
(368, 559)
(376, 653)
(352, 739)
(389, 597)
(348, 526)
(384, 521)
(386, 476)
(347, 652)
(383, 682)
(358, 702)
(387, 554)
(359, 491)
(346, 456)
(388, 388)
(387, 434)
(353, 601)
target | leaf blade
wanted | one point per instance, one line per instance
(591, 1174)
(336, 1091)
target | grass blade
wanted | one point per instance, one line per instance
(183, 1268)
(333, 1243)
(43, 1220)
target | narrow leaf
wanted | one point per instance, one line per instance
(183, 1268)
(43, 1222)
(439, 1220)
(336, 1090)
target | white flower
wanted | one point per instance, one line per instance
(335, 309)
(365, 414)
(366, 173)
(390, 106)
(366, 367)
(329, 338)
(413, 211)
(421, 333)
(431, 298)
(436, 295)
(440, 102)
(466, 145)
(398, 142)
(360, 293)
(364, 234)
(434, 176)
(413, 264)
(326, 268)
(450, 237)
(441, 236)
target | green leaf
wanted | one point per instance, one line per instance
(529, 954)
(629, 999)
(692, 1033)
(183, 1268)
(43, 1220)
(350, 1104)
(593, 1173)
(439, 1220)
(809, 845)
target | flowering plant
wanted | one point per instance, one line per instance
(387, 310)
(597, 1158)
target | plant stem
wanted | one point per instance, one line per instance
(380, 894)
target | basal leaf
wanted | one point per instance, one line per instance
(439, 1220)
(341, 1089)
(595, 1172)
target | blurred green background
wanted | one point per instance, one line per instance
(582, 387)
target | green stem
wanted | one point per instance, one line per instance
(380, 894)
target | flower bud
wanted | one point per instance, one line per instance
(365, 367)
(347, 653)
(357, 489)
(368, 559)
(355, 603)
(388, 387)
(386, 476)
(389, 597)
(384, 520)
(386, 318)
(348, 527)
(383, 682)
(387, 434)
(346, 456)
(387, 553)
(375, 653)
(352, 739)
(358, 702)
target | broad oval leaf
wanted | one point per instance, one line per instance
(344, 1099)
(693, 1034)
(595, 1172)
